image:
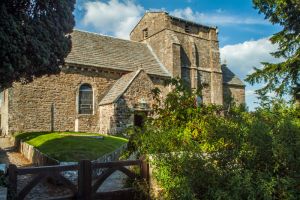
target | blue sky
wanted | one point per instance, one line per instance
(243, 33)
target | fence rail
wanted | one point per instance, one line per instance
(87, 185)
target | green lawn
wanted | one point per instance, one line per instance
(72, 146)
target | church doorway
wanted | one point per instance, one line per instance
(139, 118)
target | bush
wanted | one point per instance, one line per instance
(207, 153)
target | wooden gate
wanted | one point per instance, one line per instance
(87, 185)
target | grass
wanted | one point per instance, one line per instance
(72, 146)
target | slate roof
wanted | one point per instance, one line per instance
(91, 49)
(230, 78)
(119, 87)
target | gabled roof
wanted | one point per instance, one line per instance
(119, 88)
(90, 49)
(230, 78)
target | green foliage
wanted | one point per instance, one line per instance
(72, 146)
(283, 77)
(208, 153)
(33, 39)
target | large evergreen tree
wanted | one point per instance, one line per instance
(283, 77)
(33, 38)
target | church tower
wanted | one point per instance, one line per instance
(188, 50)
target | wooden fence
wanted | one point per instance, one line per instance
(87, 186)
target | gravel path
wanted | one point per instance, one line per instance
(9, 155)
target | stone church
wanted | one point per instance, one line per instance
(106, 82)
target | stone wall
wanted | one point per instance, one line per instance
(154, 22)
(107, 119)
(161, 85)
(200, 61)
(164, 49)
(120, 115)
(35, 156)
(139, 90)
(50, 102)
(235, 93)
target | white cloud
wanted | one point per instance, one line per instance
(242, 57)
(118, 17)
(113, 17)
(217, 18)
(250, 93)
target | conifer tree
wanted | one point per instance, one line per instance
(33, 38)
(283, 77)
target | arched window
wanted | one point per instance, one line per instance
(85, 100)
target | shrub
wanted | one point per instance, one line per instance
(207, 153)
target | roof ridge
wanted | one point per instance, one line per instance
(104, 35)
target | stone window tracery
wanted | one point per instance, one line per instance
(85, 100)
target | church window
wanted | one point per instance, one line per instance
(187, 28)
(85, 101)
(145, 33)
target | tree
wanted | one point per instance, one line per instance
(283, 77)
(33, 38)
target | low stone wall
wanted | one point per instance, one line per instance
(35, 156)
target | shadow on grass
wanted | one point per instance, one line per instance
(30, 135)
(75, 148)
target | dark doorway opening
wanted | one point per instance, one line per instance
(139, 118)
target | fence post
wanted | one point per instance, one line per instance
(144, 169)
(85, 180)
(12, 180)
